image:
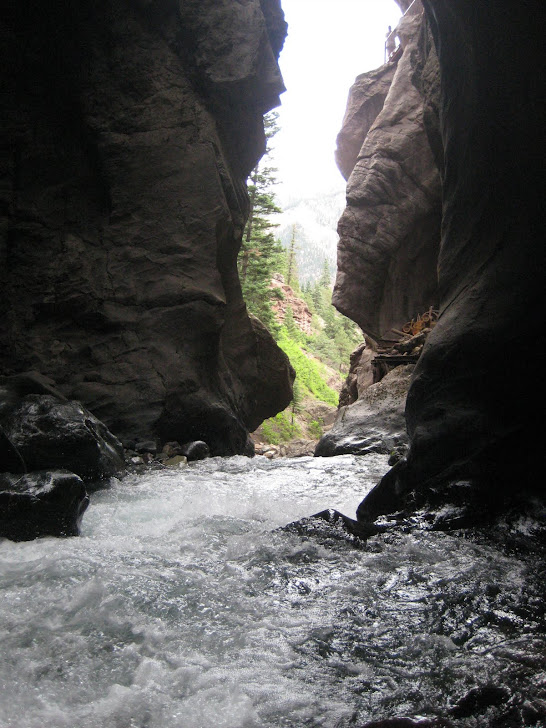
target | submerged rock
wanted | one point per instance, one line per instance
(177, 461)
(331, 526)
(408, 723)
(42, 503)
(477, 700)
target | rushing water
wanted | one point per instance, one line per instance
(182, 605)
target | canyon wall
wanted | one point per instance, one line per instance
(474, 405)
(129, 128)
(389, 151)
(390, 230)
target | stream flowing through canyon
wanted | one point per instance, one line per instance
(183, 604)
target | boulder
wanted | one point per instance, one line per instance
(479, 699)
(374, 423)
(177, 461)
(197, 450)
(41, 432)
(297, 448)
(171, 449)
(42, 503)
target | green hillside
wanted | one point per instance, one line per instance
(320, 358)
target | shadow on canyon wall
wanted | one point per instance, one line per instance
(129, 130)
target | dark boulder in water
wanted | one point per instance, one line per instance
(42, 432)
(196, 450)
(42, 503)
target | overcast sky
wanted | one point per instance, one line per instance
(329, 43)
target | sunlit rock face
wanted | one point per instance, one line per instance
(390, 230)
(477, 396)
(131, 128)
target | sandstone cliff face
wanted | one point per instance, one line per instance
(131, 127)
(390, 230)
(474, 405)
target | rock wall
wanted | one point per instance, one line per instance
(475, 404)
(130, 127)
(390, 230)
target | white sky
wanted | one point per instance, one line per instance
(329, 43)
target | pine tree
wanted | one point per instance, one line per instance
(291, 265)
(325, 279)
(290, 323)
(260, 255)
(296, 406)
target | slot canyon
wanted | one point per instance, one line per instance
(129, 131)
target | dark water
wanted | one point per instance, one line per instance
(182, 606)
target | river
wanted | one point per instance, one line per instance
(183, 605)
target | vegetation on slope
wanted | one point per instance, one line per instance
(317, 357)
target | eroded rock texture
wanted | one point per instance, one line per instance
(390, 230)
(131, 126)
(476, 401)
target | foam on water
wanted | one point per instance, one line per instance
(182, 606)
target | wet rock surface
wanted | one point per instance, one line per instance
(330, 527)
(42, 432)
(408, 723)
(464, 423)
(52, 451)
(130, 131)
(42, 503)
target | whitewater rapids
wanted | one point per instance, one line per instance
(182, 605)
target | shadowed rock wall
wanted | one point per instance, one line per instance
(129, 129)
(475, 405)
